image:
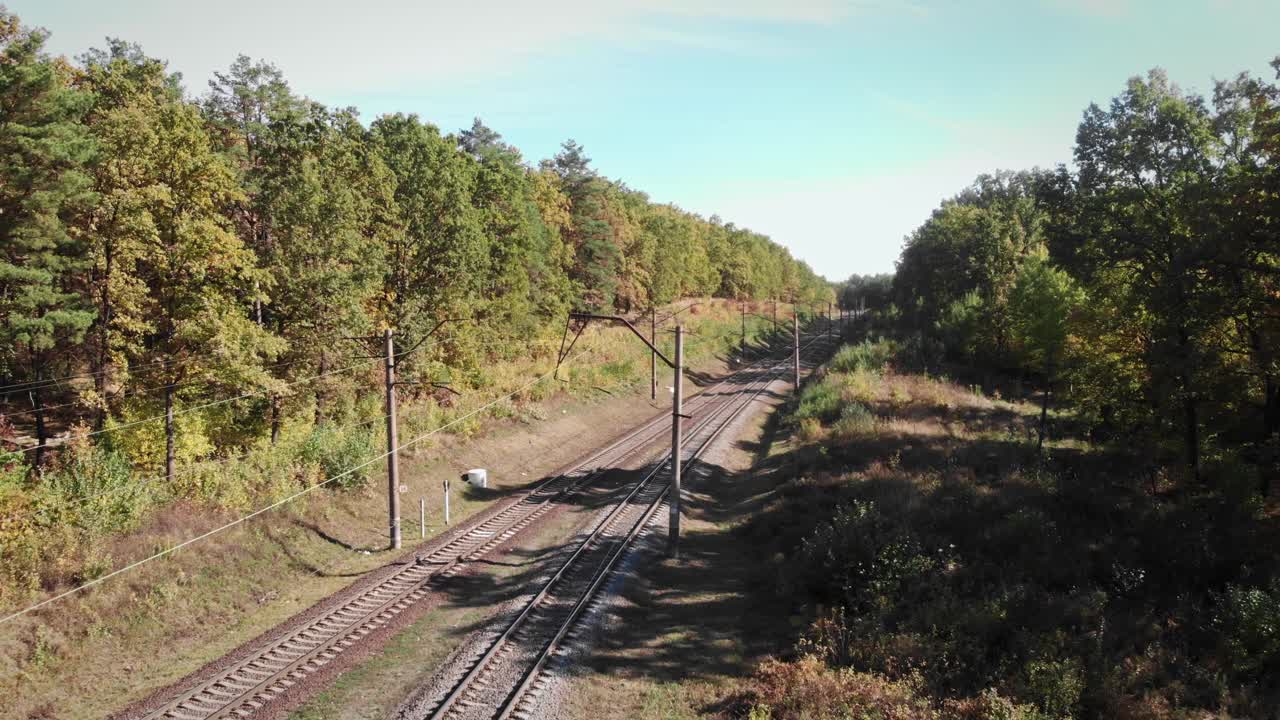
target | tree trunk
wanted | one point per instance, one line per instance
(104, 329)
(170, 451)
(275, 419)
(1044, 413)
(1191, 436)
(320, 389)
(1270, 408)
(1270, 460)
(37, 400)
(1190, 411)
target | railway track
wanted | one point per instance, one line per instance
(265, 673)
(504, 676)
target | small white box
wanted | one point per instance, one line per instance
(477, 477)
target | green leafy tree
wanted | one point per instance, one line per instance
(171, 188)
(328, 196)
(44, 189)
(242, 104)
(1042, 303)
(437, 253)
(1247, 122)
(1146, 181)
(125, 85)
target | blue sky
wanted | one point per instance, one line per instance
(835, 127)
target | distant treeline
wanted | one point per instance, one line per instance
(228, 243)
(1144, 283)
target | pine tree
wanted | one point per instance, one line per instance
(43, 190)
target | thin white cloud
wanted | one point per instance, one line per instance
(333, 48)
(1095, 8)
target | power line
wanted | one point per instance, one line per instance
(191, 409)
(201, 465)
(45, 382)
(278, 503)
(142, 391)
(284, 501)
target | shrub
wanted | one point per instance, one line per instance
(144, 442)
(19, 543)
(856, 420)
(866, 355)
(864, 553)
(94, 487)
(809, 431)
(989, 706)
(859, 386)
(1249, 620)
(819, 401)
(335, 451)
(13, 465)
(808, 689)
(1056, 685)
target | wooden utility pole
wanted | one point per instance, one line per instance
(829, 321)
(393, 442)
(653, 355)
(775, 315)
(744, 330)
(677, 416)
(795, 332)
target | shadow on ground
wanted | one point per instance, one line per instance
(1066, 557)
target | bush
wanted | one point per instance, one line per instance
(856, 420)
(809, 431)
(808, 689)
(818, 401)
(144, 442)
(859, 386)
(20, 543)
(989, 706)
(865, 554)
(93, 487)
(866, 355)
(1057, 685)
(334, 451)
(1249, 620)
(13, 465)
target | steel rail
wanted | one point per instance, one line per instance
(734, 406)
(513, 702)
(245, 686)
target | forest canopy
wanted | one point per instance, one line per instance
(226, 242)
(1142, 285)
